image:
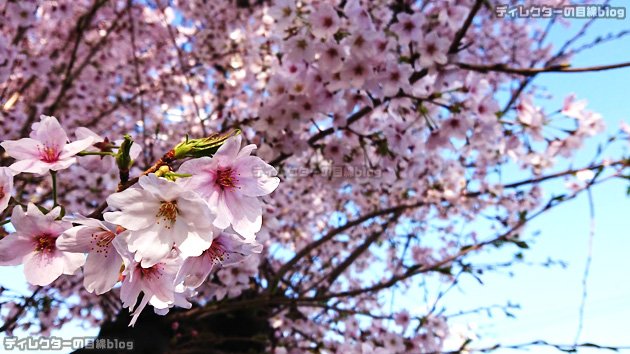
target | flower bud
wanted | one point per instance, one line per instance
(202, 147)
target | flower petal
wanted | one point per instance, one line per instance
(43, 268)
(101, 271)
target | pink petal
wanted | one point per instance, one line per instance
(77, 239)
(101, 271)
(23, 149)
(256, 177)
(30, 166)
(149, 247)
(230, 148)
(161, 188)
(74, 147)
(72, 262)
(246, 214)
(13, 248)
(43, 268)
(50, 132)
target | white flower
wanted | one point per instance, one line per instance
(159, 215)
(102, 267)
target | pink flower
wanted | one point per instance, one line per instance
(396, 77)
(156, 282)
(6, 187)
(283, 11)
(159, 215)
(433, 50)
(226, 249)
(231, 181)
(355, 72)
(34, 245)
(331, 57)
(94, 237)
(573, 109)
(408, 28)
(324, 21)
(46, 149)
(300, 48)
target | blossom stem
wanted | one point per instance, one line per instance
(172, 174)
(53, 174)
(100, 153)
(5, 222)
(15, 201)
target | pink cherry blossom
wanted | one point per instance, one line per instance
(94, 237)
(324, 21)
(156, 282)
(433, 50)
(160, 215)
(226, 249)
(6, 187)
(34, 245)
(46, 149)
(408, 27)
(232, 181)
(283, 11)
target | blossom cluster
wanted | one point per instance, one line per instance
(163, 238)
(427, 95)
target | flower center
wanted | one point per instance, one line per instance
(217, 253)
(101, 241)
(49, 154)
(168, 212)
(45, 243)
(2, 192)
(227, 179)
(286, 11)
(151, 273)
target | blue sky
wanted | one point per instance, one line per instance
(550, 297)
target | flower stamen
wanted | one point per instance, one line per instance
(49, 154)
(168, 212)
(102, 240)
(227, 179)
(44, 243)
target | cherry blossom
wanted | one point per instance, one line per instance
(324, 21)
(94, 237)
(6, 187)
(46, 149)
(34, 245)
(226, 249)
(161, 214)
(231, 181)
(408, 27)
(156, 283)
(431, 107)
